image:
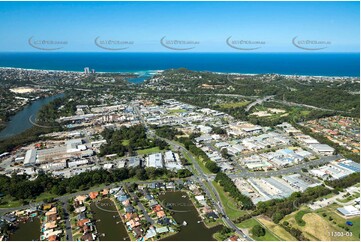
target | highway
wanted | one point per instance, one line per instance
(258, 101)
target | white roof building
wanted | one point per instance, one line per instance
(168, 156)
(155, 160)
(322, 149)
(30, 157)
(349, 211)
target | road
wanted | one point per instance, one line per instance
(306, 106)
(258, 101)
(68, 232)
(65, 198)
(218, 204)
(140, 205)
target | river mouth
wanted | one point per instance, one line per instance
(21, 121)
(183, 209)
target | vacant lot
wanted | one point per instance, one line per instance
(276, 229)
(331, 211)
(250, 223)
(319, 226)
(234, 105)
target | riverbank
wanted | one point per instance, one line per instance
(20, 122)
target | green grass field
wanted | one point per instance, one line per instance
(148, 151)
(45, 195)
(228, 203)
(298, 217)
(8, 202)
(125, 142)
(331, 211)
(324, 223)
(234, 105)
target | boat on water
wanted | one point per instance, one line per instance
(184, 196)
(184, 223)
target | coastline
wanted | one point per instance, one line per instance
(154, 72)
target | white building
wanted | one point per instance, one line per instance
(172, 161)
(77, 163)
(322, 149)
(349, 211)
(30, 157)
(155, 160)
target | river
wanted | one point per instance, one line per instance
(184, 210)
(20, 121)
(27, 231)
(108, 221)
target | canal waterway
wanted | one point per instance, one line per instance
(27, 231)
(109, 225)
(184, 210)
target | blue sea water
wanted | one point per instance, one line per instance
(316, 64)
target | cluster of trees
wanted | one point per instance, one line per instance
(293, 231)
(128, 140)
(334, 96)
(167, 132)
(258, 231)
(229, 186)
(347, 181)
(21, 188)
(218, 130)
(224, 233)
(28, 136)
(326, 97)
(189, 145)
(154, 173)
(51, 111)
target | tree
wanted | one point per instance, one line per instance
(141, 174)
(212, 166)
(224, 153)
(182, 173)
(70, 208)
(258, 231)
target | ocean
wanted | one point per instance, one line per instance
(313, 64)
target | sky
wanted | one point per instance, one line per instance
(197, 26)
